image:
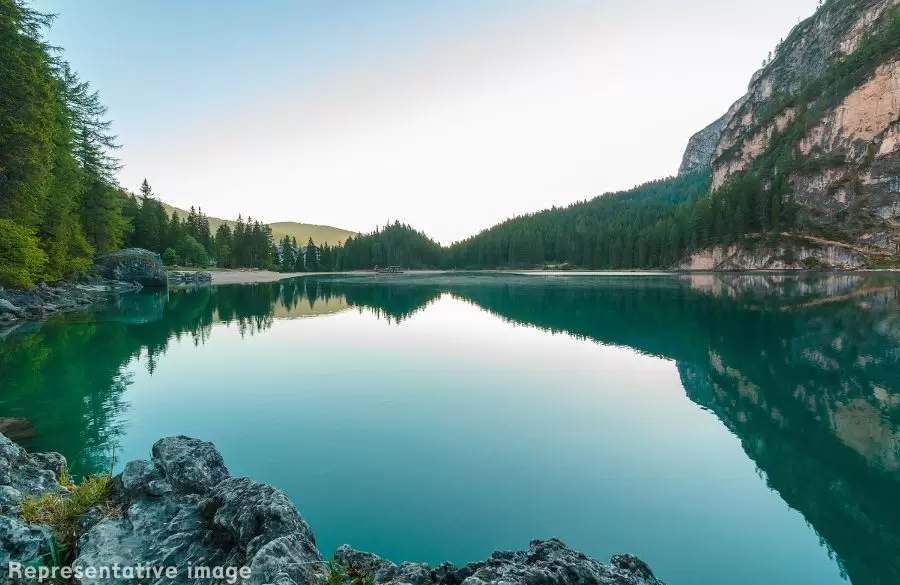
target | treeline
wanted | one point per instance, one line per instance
(59, 203)
(190, 241)
(393, 245)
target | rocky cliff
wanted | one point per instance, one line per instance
(820, 123)
(182, 509)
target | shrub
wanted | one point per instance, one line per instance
(22, 261)
(170, 257)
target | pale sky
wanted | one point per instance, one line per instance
(450, 116)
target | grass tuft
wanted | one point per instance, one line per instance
(63, 513)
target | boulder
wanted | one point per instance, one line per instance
(133, 265)
(182, 509)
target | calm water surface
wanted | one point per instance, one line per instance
(742, 430)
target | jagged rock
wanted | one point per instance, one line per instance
(546, 562)
(183, 509)
(847, 159)
(190, 464)
(133, 265)
(35, 474)
(21, 542)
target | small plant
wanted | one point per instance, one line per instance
(333, 572)
(63, 513)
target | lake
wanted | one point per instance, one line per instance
(741, 429)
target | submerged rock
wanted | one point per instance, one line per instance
(133, 265)
(16, 427)
(183, 509)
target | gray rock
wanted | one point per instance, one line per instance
(182, 509)
(190, 464)
(22, 543)
(7, 307)
(10, 497)
(34, 474)
(190, 277)
(547, 562)
(133, 265)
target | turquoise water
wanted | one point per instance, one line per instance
(740, 430)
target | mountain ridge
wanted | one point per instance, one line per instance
(320, 234)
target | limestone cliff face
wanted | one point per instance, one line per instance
(703, 144)
(846, 160)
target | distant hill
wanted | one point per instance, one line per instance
(321, 234)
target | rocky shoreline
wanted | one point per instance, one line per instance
(183, 509)
(45, 300)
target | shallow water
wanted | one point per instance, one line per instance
(740, 429)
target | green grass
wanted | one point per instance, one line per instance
(63, 513)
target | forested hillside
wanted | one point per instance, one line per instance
(650, 225)
(60, 204)
(58, 199)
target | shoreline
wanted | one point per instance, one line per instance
(265, 276)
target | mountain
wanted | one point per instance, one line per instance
(819, 131)
(321, 234)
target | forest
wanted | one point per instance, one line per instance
(60, 203)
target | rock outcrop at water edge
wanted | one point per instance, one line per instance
(182, 508)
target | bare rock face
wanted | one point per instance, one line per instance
(849, 179)
(785, 254)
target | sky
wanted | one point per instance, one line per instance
(450, 116)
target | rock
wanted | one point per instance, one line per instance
(10, 497)
(783, 254)
(22, 543)
(133, 265)
(7, 308)
(190, 277)
(190, 464)
(546, 562)
(182, 507)
(35, 474)
(847, 175)
(15, 427)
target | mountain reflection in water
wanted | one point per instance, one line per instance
(804, 370)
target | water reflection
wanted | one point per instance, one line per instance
(804, 370)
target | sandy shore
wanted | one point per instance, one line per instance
(248, 277)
